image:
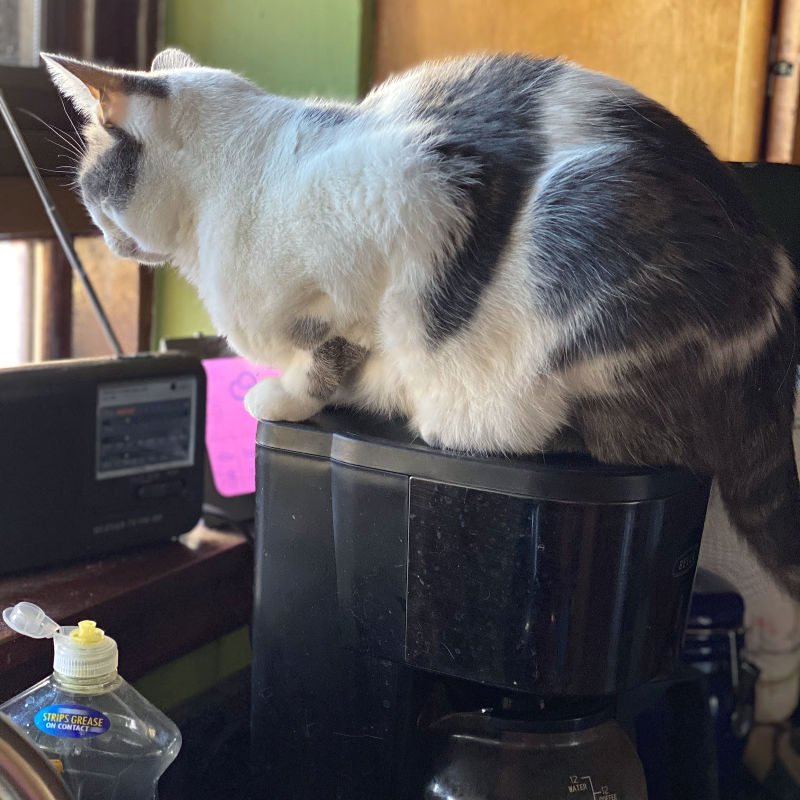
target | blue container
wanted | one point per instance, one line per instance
(714, 645)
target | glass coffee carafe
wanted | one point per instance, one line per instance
(488, 757)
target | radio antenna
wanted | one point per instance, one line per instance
(58, 225)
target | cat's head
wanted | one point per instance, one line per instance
(144, 145)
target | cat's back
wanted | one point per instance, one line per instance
(491, 100)
(594, 172)
(514, 120)
(472, 89)
(511, 107)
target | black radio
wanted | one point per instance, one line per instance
(99, 455)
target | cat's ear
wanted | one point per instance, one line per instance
(94, 91)
(172, 58)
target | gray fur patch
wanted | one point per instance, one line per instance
(308, 332)
(332, 360)
(483, 127)
(144, 84)
(645, 227)
(329, 114)
(113, 175)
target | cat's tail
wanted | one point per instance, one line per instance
(758, 478)
(764, 507)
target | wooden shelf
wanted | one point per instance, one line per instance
(158, 603)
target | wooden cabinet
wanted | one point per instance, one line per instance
(706, 60)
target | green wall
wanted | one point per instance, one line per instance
(293, 47)
(199, 671)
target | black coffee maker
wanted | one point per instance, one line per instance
(433, 625)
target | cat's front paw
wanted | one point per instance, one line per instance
(269, 400)
(430, 435)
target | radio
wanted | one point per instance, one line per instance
(99, 455)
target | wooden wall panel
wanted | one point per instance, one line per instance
(706, 60)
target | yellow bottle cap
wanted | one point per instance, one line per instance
(87, 632)
(83, 652)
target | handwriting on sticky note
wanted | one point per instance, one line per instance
(230, 430)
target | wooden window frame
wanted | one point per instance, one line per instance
(23, 217)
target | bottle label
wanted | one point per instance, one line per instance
(71, 721)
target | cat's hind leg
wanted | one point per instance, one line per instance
(307, 384)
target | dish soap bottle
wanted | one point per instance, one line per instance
(104, 737)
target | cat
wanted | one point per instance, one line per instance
(499, 248)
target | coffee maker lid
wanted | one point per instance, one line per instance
(369, 442)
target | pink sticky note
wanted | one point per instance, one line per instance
(230, 430)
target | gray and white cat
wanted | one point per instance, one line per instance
(498, 248)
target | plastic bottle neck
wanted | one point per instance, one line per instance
(100, 684)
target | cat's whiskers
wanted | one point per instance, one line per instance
(69, 118)
(62, 170)
(73, 184)
(70, 154)
(67, 146)
(77, 147)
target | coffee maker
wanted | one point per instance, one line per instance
(434, 625)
